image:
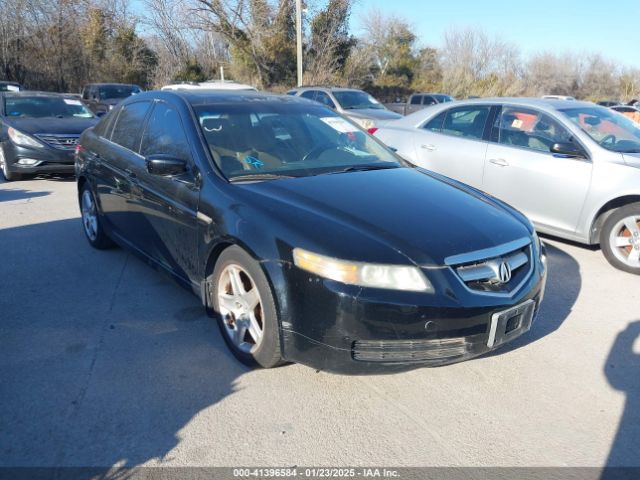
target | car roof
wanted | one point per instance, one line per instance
(547, 103)
(331, 89)
(114, 84)
(208, 97)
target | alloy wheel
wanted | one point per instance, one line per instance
(89, 215)
(241, 308)
(3, 165)
(625, 241)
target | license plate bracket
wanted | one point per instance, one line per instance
(510, 323)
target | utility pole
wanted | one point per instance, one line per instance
(299, 39)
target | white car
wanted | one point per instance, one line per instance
(572, 167)
(211, 85)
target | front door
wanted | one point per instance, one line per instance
(169, 205)
(521, 170)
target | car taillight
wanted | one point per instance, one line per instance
(372, 130)
(79, 148)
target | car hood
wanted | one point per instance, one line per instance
(60, 126)
(403, 210)
(373, 114)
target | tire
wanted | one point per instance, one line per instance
(91, 220)
(8, 175)
(620, 238)
(248, 323)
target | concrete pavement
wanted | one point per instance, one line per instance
(104, 361)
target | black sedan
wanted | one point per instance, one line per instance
(305, 237)
(39, 132)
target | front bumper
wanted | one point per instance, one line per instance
(50, 160)
(351, 330)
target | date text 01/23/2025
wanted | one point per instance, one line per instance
(314, 472)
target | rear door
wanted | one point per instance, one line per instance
(453, 143)
(115, 156)
(521, 170)
(168, 206)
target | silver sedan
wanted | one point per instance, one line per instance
(572, 167)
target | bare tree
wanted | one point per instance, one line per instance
(475, 64)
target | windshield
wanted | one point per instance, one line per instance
(40, 107)
(109, 92)
(608, 128)
(356, 100)
(287, 140)
(443, 98)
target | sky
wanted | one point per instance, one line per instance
(610, 27)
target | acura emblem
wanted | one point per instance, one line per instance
(504, 273)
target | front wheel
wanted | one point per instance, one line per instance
(8, 175)
(245, 309)
(620, 238)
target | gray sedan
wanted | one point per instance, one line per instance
(572, 167)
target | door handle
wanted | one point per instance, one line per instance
(429, 146)
(501, 162)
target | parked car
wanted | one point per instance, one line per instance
(572, 167)
(210, 85)
(39, 132)
(262, 205)
(608, 103)
(102, 97)
(418, 101)
(359, 106)
(628, 111)
(558, 97)
(10, 87)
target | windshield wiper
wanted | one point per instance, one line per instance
(258, 176)
(363, 168)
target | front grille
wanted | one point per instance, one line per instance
(500, 270)
(408, 350)
(61, 142)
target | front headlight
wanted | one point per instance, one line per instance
(541, 250)
(22, 139)
(391, 277)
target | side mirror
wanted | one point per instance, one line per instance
(165, 166)
(567, 149)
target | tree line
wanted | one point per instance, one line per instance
(60, 45)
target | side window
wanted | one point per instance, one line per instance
(467, 122)
(416, 100)
(310, 94)
(435, 124)
(527, 128)
(85, 93)
(127, 130)
(103, 127)
(429, 100)
(324, 99)
(165, 135)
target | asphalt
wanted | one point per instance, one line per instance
(106, 362)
